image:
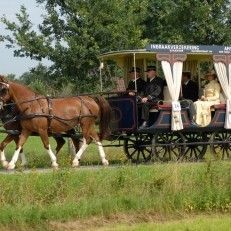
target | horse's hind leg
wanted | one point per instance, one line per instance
(3, 144)
(45, 139)
(93, 134)
(78, 155)
(60, 142)
(102, 153)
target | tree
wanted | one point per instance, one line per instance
(74, 33)
(189, 21)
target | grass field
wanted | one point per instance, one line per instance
(38, 158)
(90, 197)
(196, 223)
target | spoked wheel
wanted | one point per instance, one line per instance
(194, 152)
(221, 150)
(168, 146)
(138, 148)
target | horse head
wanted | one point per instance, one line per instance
(4, 91)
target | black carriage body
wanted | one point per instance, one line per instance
(124, 113)
(159, 142)
(125, 117)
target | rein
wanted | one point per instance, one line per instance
(49, 116)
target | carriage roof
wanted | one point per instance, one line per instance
(194, 52)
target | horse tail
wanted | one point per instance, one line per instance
(105, 117)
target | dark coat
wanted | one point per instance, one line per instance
(190, 90)
(140, 83)
(154, 89)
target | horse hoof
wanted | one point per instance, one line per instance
(5, 164)
(10, 166)
(55, 165)
(105, 162)
(75, 163)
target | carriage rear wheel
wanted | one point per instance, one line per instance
(138, 148)
(168, 146)
(194, 151)
(221, 150)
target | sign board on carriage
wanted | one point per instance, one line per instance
(183, 48)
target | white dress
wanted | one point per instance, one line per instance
(211, 97)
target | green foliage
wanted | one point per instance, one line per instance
(189, 22)
(74, 33)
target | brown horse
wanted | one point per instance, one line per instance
(44, 115)
(8, 115)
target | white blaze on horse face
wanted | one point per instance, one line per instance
(53, 157)
(78, 155)
(102, 153)
(14, 159)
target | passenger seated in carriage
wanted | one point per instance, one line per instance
(189, 87)
(153, 93)
(210, 97)
(135, 78)
(189, 94)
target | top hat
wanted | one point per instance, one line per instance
(134, 69)
(151, 68)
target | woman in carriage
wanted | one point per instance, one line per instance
(210, 97)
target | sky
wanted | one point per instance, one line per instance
(8, 63)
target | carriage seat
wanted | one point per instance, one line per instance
(166, 106)
(221, 106)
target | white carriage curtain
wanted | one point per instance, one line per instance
(224, 77)
(173, 78)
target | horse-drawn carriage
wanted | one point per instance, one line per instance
(171, 135)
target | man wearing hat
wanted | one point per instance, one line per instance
(189, 87)
(135, 79)
(153, 93)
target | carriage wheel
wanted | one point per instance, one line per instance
(138, 148)
(222, 150)
(194, 152)
(168, 146)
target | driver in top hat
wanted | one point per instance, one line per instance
(135, 78)
(153, 93)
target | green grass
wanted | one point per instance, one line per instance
(63, 195)
(34, 199)
(38, 158)
(198, 223)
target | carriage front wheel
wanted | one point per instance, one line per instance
(137, 148)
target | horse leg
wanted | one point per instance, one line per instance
(45, 139)
(3, 144)
(95, 136)
(22, 155)
(23, 158)
(102, 153)
(78, 155)
(60, 142)
(22, 139)
(77, 143)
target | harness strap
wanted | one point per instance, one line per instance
(50, 115)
